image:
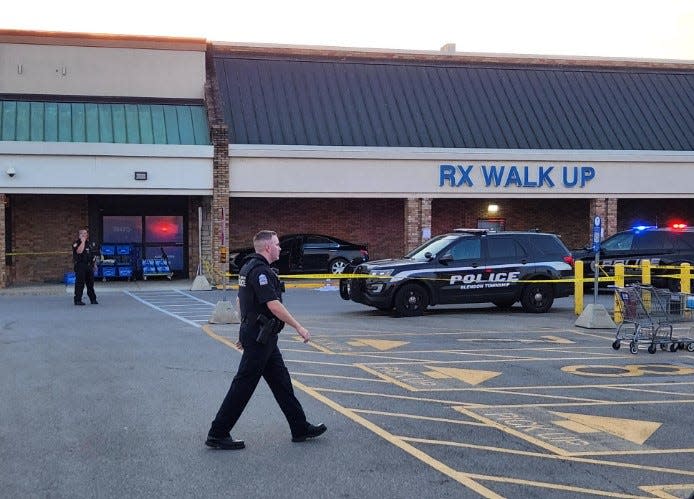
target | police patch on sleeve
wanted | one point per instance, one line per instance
(262, 279)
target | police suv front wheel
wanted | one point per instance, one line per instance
(411, 300)
(537, 298)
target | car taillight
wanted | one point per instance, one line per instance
(569, 259)
(364, 253)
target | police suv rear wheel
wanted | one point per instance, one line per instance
(411, 300)
(537, 298)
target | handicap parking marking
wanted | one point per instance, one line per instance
(566, 434)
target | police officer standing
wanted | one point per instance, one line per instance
(262, 317)
(84, 258)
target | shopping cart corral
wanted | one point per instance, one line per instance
(651, 316)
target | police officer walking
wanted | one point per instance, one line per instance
(262, 317)
(84, 258)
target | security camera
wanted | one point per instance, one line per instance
(11, 172)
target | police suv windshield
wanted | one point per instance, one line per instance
(433, 247)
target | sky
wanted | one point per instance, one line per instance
(648, 29)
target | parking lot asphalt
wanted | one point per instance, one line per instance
(467, 401)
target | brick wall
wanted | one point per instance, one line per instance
(378, 222)
(45, 224)
(569, 218)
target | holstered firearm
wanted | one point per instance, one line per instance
(268, 327)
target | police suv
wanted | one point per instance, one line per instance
(467, 266)
(663, 246)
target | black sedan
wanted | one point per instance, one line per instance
(309, 253)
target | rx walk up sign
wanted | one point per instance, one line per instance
(505, 176)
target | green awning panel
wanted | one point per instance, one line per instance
(96, 122)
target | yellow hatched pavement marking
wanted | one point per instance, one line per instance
(459, 477)
(506, 429)
(629, 429)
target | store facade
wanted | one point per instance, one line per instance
(107, 132)
(135, 137)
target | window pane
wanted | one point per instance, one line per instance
(548, 245)
(501, 247)
(164, 229)
(317, 240)
(466, 249)
(618, 242)
(122, 229)
(649, 241)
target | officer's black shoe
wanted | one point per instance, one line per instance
(225, 443)
(311, 431)
(94, 302)
(79, 303)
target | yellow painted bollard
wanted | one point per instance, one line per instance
(578, 287)
(686, 278)
(646, 271)
(619, 283)
(646, 280)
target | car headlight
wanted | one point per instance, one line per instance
(381, 273)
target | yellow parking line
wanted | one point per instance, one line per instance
(573, 457)
(503, 391)
(551, 486)
(335, 376)
(416, 416)
(660, 392)
(606, 402)
(636, 453)
(476, 405)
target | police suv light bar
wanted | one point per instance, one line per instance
(473, 231)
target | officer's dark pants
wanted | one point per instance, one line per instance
(84, 274)
(259, 360)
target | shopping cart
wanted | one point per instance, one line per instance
(648, 317)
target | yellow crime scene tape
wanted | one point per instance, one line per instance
(605, 277)
(388, 278)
